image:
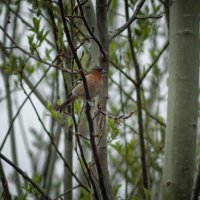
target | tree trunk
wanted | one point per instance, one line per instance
(101, 13)
(178, 172)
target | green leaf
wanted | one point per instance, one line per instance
(77, 106)
(37, 178)
(36, 23)
(31, 38)
(116, 189)
(147, 194)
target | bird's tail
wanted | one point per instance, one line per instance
(63, 106)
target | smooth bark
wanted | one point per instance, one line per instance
(102, 24)
(178, 172)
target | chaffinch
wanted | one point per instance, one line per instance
(94, 82)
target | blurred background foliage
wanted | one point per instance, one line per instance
(32, 40)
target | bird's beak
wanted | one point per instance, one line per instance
(103, 71)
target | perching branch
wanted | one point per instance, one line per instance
(87, 112)
(111, 116)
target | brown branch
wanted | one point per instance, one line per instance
(88, 115)
(111, 116)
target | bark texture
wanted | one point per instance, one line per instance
(180, 140)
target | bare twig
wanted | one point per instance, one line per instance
(22, 173)
(154, 62)
(111, 116)
(58, 197)
(6, 193)
(144, 109)
(91, 32)
(139, 101)
(130, 21)
(23, 103)
(125, 74)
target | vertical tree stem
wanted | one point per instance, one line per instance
(139, 103)
(180, 141)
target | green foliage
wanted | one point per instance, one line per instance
(15, 65)
(84, 195)
(60, 37)
(113, 129)
(29, 188)
(38, 33)
(116, 190)
(147, 194)
(46, 42)
(39, 5)
(22, 197)
(55, 114)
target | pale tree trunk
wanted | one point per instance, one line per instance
(102, 24)
(178, 172)
(98, 26)
(89, 14)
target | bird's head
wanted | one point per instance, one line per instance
(99, 69)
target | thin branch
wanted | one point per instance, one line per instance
(154, 62)
(51, 139)
(150, 17)
(23, 103)
(139, 103)
(12, 131)
(77, 186)
(125, 74)
(111, 116)
(32, 56)
(85, 87)
(144, 109)
(91, 32)
(130, 21)
(22, 173)
(23, 20)
(6, 193)
(88, 115)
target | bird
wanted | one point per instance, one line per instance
(94, 83)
